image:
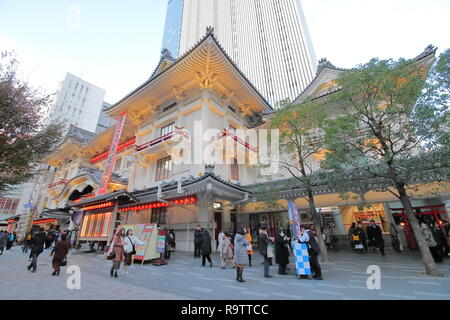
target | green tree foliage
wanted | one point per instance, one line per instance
(300, 140)
(392, 129)
(24, 139)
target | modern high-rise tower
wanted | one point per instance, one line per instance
(267, 39)
(78, 103)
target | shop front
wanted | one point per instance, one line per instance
(364, 214)
(428, 214)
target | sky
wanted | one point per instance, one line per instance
(116, 44)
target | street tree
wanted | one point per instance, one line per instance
(301, 140)
(391, 132)
(24, 137)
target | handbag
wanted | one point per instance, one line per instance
(249, 247)
(111, 255)
(133, 252)
(270, 251)
(63, 262)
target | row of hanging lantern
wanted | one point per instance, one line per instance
(146, 206)
(99, 206)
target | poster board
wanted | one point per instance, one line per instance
(161, 247)
(147, 233)
(300, 250)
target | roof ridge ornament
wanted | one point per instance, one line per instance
(210, 30)
(324, 63)
(165, 53)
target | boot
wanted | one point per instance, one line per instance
(54, 273)
(57, 272)
(115, 274)
(237, 273)
(241, 271)
(112, 272)
(29, 267)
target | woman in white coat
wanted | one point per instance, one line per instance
(129, 247)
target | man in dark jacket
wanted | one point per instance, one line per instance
(308, 237)
(206, 248)
(37, 246)
(197, 241)
(375, 236)
(263, 244)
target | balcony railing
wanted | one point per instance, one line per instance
(227, 133)
(156, 141)
(121, 147)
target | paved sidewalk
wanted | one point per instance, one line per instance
(184, 278)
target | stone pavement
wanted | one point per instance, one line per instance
(184, 278)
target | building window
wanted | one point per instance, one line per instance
(235, 170)
(167, 129)
(159, 215)
(163, 168)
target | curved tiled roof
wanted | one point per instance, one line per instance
(209, 34)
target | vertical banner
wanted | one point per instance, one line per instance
(301, 256)
(161, 247)
(111, 161)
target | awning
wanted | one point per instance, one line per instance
(122, 196)
(59, 214)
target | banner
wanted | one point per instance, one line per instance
(300, 250)
(161, 247)
(111, 161)
(77, 217)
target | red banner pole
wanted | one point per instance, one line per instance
(103, 186)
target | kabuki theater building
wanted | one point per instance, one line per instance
(151, 166)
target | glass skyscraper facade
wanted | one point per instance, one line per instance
(172, 29)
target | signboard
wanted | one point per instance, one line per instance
(301, 256)
(161, 247)
(147, 233)
(103, 186)
(77, 217)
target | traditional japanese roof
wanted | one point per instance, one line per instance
(122, 196)
(165, 61)
(207, 55)
(193, 185)
(59, 214)
(93, 174)
(326, 68)
(326, 71)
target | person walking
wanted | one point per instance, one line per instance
(431, 242)
(226, 253)
(240, 253)
(250, 247)
(375, 236)
(282, 252)
(9, 243)
(27, 242)
(308, 237)
(3, 241)
(205, 249)
(264, 243)
(350, 233)
(59, 253)
(117, 247)
(73, 239)
(220, 238)
(37, 246)
(197, 241)
(129, 248)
